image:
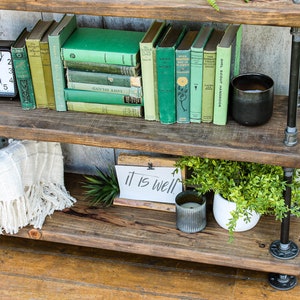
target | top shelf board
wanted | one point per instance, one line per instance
(263, 144)
(259, 12)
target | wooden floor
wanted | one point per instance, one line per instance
(39, 270)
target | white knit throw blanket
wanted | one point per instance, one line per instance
(31, 184)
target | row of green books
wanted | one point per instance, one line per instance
(184, 75)
(187, 77)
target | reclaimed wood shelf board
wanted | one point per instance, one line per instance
(263, 144)
(259, 12)
(150, 232)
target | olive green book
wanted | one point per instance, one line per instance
(101, 45)
(45, 57)
(35, 62)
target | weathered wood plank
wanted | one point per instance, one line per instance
(263, 144)
(154, 233)
(260, 12)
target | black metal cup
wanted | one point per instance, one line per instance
(252, 98)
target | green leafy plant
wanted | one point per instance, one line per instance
(102, 188)
(251, 186)
(213, 4)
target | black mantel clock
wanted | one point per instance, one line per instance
(8, 85)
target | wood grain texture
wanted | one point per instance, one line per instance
(42, 270)
(259, 12)
(263, 144)
(154, 233)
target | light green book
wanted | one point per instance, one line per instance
(101, 45)
(131, 91)
(227, 66)
(56, 39)
(209, 69)
(107, 109)
(147, 48)
(196, 73)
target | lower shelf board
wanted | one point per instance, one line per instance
(154, 233)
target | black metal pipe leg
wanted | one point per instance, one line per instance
(3, 142)
(291, 129)
(284, 248)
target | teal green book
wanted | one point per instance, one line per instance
(56, 39)
(166, 72)
(147, 49)
(103, 78)
(101, 97)
(106, 109)
(103, 68)
(101, 45)
(227, 66)
(196, 73)
(22, 71)
(183, 75)
(209, 71)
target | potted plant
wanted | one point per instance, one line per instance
(101, 188)
(252, 187)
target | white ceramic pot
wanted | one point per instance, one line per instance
(222, 209)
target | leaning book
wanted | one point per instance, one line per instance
(22, 71)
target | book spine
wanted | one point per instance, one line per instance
(196, 86)
(103, 68)
(183, 86)
(107, 109)
(37, 73)
(165, 64)
(147, 63)
(58, 72)
(131, 91)
(103, 57)
(103, 78)
(45, 57)
(222, 81)
(208, 87)
(99, 97)
(23, 77)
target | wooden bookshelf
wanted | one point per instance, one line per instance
(263, 144)
(259, 12)
(150, 232)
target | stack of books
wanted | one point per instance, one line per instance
(103, 71)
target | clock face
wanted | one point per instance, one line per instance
(7, 80)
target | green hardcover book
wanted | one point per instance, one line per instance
(103, 68)
(22, 71)
(148, 48)
(132, 91)
(183, 74)
(100, 45)
(227, 66)
(45, 57)
(101, 97)
(209, 68)
(106, 109)
(56, 39)
(103, 78)
(196, 73)
(165, 66)
(35, 62)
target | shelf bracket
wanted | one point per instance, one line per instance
(291, 129)
(284, 248)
